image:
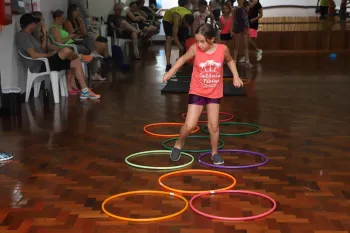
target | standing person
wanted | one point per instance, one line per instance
(206, 86)
(324, 8)
(255, 13)
(226, 26)
(177, 22)
(241, 28)
(201, 16)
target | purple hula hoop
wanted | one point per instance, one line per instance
(234, 167)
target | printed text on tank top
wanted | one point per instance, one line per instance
(208, 72)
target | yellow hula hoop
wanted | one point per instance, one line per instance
(144, 219)
(198, 171)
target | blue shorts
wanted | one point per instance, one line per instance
(200, 100)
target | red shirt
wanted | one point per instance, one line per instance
(207, 74)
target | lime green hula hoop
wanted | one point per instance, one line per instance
(205, 130)
(157, 168)
(222, 144)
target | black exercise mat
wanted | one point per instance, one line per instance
(184, 87)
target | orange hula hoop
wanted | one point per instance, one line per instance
(244, 80)
(144, 219)
(196, 171)
(167, 124)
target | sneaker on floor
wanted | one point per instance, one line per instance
(97, 77)
(89, 95)
(242, 60)
(259, 54)
(175, 154)
(217, 159)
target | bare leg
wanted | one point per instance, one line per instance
(127, 26)
(237, 44)
(252, 41)
(67, 54)
(246, 50)
(135, 44)
(213, 126)
(167, 48)
(69, 76)
(193, 113)
(78, 71)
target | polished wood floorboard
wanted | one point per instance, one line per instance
(70, 157)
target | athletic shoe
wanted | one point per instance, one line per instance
(259, 53)
(89, 95)
(217, 159)
(175, 154)
(242, 60)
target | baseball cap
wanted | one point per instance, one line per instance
(27, 19)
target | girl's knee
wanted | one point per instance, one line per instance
(190, 126)
(213, 128)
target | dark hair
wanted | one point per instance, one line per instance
(37, 14)
(202, 3)
(227, 5)
(207, 31)
(133, 3)
(183, 2)
(189, 18)
(71, 9)
(56, 14)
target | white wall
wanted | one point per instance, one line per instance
(100, 8)
(12, 71)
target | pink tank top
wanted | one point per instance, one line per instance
(207, 74)
(227, 25)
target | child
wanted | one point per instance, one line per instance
(206, 87)
(200, 16)
(241, 28)
(226, 26)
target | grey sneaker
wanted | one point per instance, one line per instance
(175, 154)
(217, 159)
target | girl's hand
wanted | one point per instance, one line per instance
(166, 77)
(237, 82)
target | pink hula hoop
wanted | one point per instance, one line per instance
(229, 117)
(234, 219)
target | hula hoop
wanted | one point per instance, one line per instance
(230, 117)
(222, 144)
(244, 80)
(239, 218)
(4, 156)
(234, 167)
(196, 171)
(166, 135)
(157, 168)
(204, 129)
(144, 219)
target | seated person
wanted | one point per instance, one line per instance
(117, 23)
(62, 36)
(63, 59)
(201, 16)
(40, 34)
(74, 25)
(151, 14)
(177, 22)
(134, 16)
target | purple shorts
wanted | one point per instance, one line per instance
(200, 100)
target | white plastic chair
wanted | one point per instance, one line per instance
(58, 80)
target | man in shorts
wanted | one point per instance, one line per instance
(177, 22)
(255, 13)
(63, 59)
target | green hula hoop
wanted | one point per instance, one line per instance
(222, 144)
(157, 168)
(205, 130)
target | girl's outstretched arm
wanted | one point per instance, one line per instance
(180, 62)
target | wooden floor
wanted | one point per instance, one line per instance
(70, 157)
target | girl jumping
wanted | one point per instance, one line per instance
(206, 86)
